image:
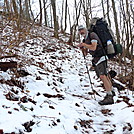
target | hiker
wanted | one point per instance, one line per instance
(92, 43)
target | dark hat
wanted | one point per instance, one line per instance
(81, 27)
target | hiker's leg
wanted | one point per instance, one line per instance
(109, 79)
(107, 83)
(110, 82)
(108, 99)
(101, 72)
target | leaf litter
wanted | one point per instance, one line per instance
(50, 92)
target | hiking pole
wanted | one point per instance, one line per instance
(90, 77)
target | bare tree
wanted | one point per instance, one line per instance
(20, 15)
(45, 12)
(61, 21)
(40, 4)
(30, 10)
(15, 8)
(76, 20)
(108, 16)
(116, 21)
(65, 16)
(55, 18)
(7, 6)
(86, 9)
(102, 2)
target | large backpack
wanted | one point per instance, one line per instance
(101, 28)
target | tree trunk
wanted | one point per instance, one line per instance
(102, 2)
(15, 8)
(7, 6)
(73, 27)
(108, 16)
(129, 29)
(20, 15)
(40, 22)
(70, 41)
(27, 14)
(86, 6)
(116, 22)
(51, 21)
(45, 12)
(55, 18)
(78, 11)
(30, 10)
(61, 21)
(65, 16)
(90, 5)
(132, 64)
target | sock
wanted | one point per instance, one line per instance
(109, 93)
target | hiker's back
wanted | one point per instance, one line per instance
(101, 28)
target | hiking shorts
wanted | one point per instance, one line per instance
(101, 69)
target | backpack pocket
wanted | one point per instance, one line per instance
(118, 48)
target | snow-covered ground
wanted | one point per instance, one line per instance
(50, 93)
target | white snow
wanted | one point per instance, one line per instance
(62, 72)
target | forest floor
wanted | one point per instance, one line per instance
(49, 92)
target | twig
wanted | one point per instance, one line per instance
(80, 96)
(42, 116)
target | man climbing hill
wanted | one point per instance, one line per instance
(92, 43)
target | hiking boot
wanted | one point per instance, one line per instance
(108, 100)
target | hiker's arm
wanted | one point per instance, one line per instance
(92, 46)
(83, 49)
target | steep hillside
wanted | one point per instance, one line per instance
(49, 92)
